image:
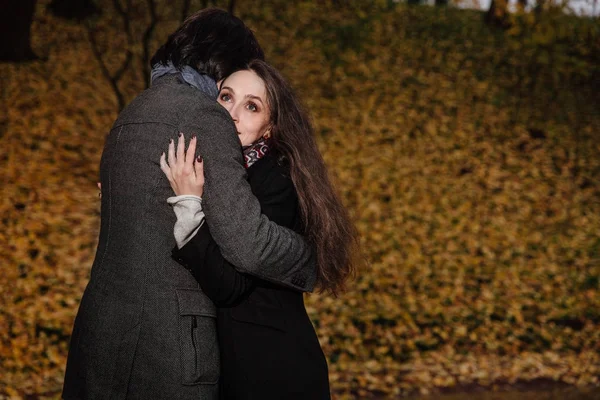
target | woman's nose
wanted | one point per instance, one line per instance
(233, 112)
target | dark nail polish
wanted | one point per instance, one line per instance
(179, 134)
(199, 159)
(193, 137)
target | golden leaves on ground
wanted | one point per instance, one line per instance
(476, 200)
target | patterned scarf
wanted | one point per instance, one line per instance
(255, 151)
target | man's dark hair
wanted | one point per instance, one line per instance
(213, 42)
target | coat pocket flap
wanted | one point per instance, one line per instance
(195, 302)
(260, 315)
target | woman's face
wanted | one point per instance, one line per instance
(243, 94)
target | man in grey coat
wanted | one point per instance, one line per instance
(144, 329)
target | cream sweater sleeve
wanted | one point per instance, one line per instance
(190, 217)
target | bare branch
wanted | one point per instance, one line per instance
(123, 13)
(119, 74)
(114, 80)
(146, 41)
(231, 6)
(116, 77)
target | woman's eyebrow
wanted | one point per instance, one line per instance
(253, 97)
(228, 88)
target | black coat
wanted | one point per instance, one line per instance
(269, 348)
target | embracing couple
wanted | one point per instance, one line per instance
(217, 215)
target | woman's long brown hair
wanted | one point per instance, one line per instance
(327, 224)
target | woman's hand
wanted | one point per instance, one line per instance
(185, 174)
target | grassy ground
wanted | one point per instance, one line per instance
(470, 167)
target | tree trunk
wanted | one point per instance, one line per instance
(539, 7)
(441, 2)
(498, 14)
(185, 10)
(15, 30)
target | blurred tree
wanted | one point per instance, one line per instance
(15, 26)
(185, 10)
(206, 3)
(73, 9)
(231, 6)
(539, 6)
(146, 41)
(115, 77)
(441, 2)
(125, 11)
(497, 14)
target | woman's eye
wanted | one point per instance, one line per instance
(252, 107)
(225, 97)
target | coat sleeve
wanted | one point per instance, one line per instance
(218, 278)
(247, 239)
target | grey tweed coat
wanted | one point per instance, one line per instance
(144, 329)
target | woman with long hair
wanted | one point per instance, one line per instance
(269, 348)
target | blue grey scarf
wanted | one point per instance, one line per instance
(202, 82)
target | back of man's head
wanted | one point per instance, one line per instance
(213, 42)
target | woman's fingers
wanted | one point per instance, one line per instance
(189, 156)
(199, 168)
(171, 160)
(184, 172)
(165, 167)
(180, 150)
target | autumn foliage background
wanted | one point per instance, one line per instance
(467, 154)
